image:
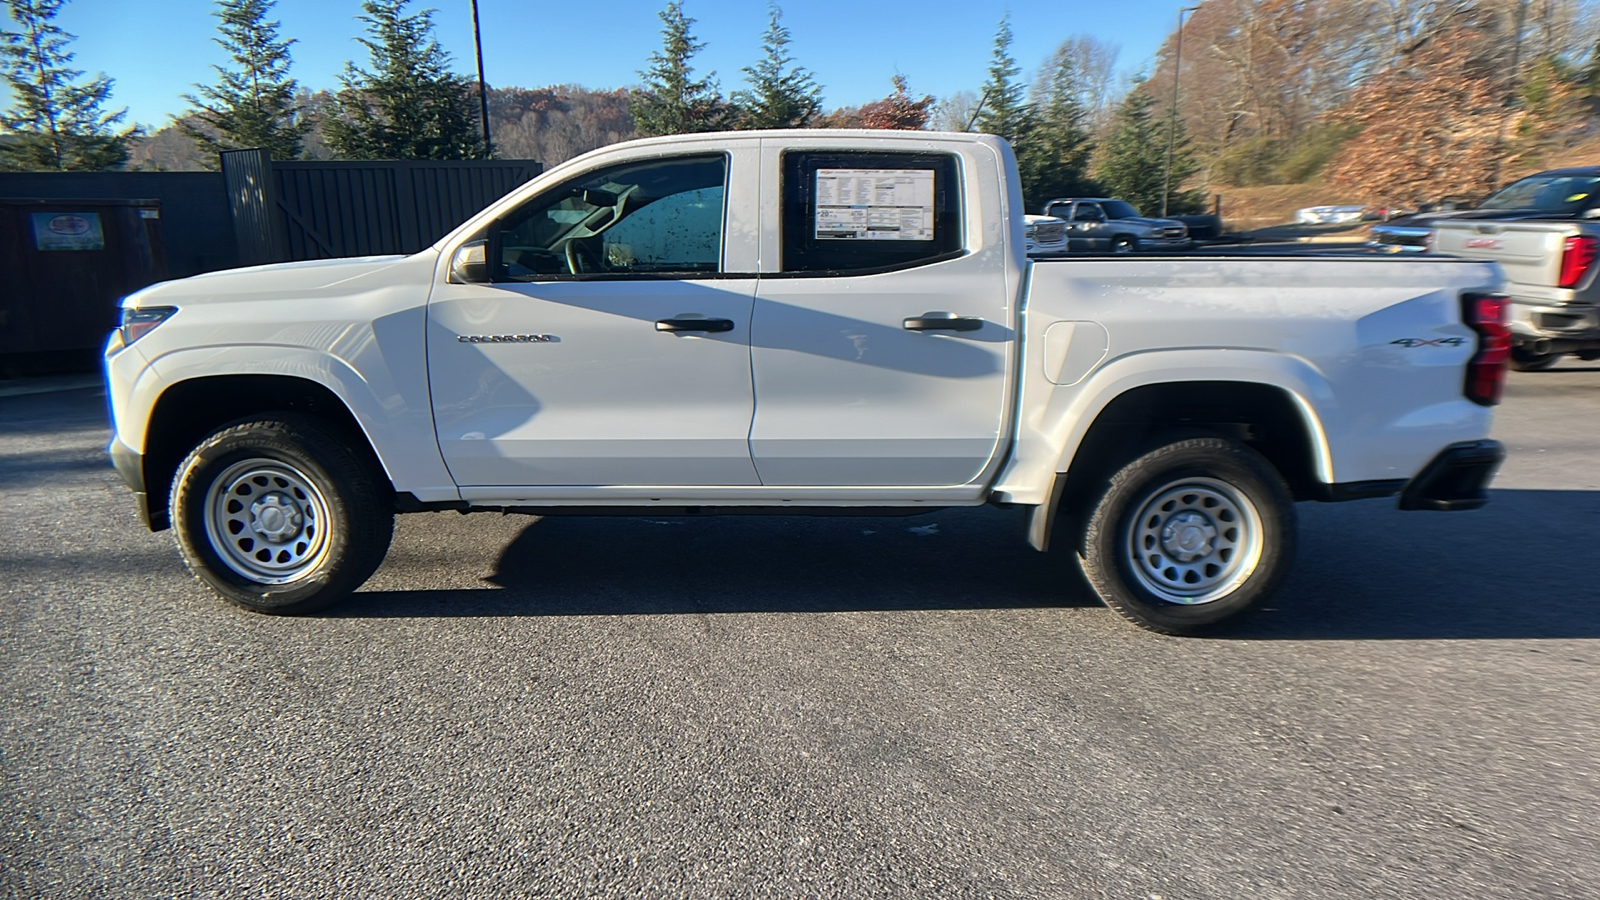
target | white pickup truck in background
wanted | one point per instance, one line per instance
(1551, 281)
(808, 321)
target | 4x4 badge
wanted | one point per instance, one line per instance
(1430, 342)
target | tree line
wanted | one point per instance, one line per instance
(405, 102)
(1391, 100)
(1395, 102)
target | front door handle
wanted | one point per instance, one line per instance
(714, 326)
(942, 321)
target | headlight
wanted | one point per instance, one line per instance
(138, 322)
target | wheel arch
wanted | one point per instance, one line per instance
(186, 411)
(1269, 418)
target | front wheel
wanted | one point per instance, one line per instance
(1190, 535)
(1124, 244)
(279, 515)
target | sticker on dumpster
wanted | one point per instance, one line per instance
(67, 231)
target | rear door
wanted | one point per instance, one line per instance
(881, 338)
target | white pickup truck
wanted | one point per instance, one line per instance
(1551, 281)
(811, 321)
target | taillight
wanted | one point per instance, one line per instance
(1485, 314)
(1577, 255)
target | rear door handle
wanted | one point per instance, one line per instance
(714, 326)
(942, 321)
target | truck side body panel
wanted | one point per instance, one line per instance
(1371, 350)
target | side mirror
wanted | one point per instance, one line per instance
(470, 264)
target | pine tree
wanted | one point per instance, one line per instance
(58, 122)
(670, 101)
(1054, 160)
(410, 106)
(253, 104)
(1134, 157)
(781, 95)
(1004, 110)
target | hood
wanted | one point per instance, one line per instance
(322, 276)
(1149, 222)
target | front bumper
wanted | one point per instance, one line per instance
(130, 465)
(1398, 238)
(1456, 479)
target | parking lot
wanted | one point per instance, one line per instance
(753, 707)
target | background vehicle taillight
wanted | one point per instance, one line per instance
(1485, 314)
(1577, 255)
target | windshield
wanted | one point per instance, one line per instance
(1120, 209)
(1547, 193)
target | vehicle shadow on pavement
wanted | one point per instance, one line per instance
(1522, 567)
(561, 566)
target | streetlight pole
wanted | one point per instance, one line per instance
(483, 89)
(1172, 122)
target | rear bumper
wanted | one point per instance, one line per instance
(1554, 329)
(1456, 479)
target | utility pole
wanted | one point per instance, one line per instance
(1172, 123)
(483, 89)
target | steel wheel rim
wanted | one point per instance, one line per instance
(267, 520)
(1194, 541)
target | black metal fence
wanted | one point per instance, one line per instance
(284, 211)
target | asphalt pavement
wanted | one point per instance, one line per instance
(762, 707)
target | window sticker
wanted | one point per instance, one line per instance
(67, 231)
(874, 204)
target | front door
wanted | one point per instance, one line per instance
(880, 346)
(612, 347)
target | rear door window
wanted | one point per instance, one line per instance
(848, 212)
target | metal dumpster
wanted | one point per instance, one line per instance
(64, 265)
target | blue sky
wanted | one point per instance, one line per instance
(158, 49)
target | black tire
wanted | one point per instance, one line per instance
(1528, 361)
(279, 515)
(1124, 244)
(1214, 525)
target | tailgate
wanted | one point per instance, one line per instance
(1528, 252)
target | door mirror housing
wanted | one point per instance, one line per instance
(470, 263)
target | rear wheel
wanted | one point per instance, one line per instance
(1123, 244)
(278, 515)
(1189, 536)
(1527, 361)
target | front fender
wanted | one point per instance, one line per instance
(390, 405)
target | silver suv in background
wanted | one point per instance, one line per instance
(1115, 226)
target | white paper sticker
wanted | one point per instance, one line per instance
(874, 204)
